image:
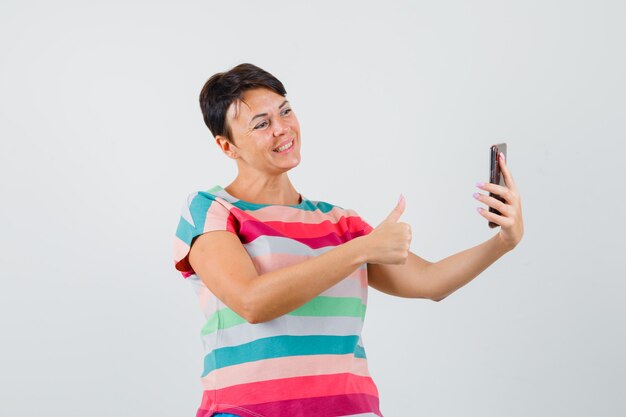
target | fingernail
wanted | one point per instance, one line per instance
(476, 195)
(480, 184)
(400, 198)
(479, 209)
(502, 155)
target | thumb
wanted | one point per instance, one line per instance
(397, 210)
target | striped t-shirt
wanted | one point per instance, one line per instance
(309, 362)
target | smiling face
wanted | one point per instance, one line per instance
(265, 133)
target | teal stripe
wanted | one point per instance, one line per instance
(359, 352)
(198, 209)
(307, 205)
(185, 231)
(325, 207)
(282, 346)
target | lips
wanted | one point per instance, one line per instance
(286, 145)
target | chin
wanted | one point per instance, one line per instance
(291, 166)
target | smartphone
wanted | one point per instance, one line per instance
(495, 176)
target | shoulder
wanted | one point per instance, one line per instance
(203, 196)
(201, 210)
(200, 201)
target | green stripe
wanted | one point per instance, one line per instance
(332, 306)
(214, 189)
(221, 319)
(318, 307)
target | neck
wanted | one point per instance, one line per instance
(264, 190)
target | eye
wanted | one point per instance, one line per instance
(261, 125)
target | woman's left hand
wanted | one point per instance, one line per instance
(510, 221)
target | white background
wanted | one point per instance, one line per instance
(102, 139)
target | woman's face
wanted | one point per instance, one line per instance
(266, 132)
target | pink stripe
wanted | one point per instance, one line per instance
(332, 406)
(293, 388)
(287, 367)
(273, 261)
(317, 229)
(251, 230)
(217, 218)
(205, 296)
(300, 230)
(181, 249)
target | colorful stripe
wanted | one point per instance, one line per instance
(280, 346)
(285, 325)
(352, 405)
(250, 230)
(284, 367)
(298, 388)
(319, 306)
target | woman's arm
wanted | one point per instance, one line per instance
(224, 266)
(418, 278)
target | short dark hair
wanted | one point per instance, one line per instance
(223, 88)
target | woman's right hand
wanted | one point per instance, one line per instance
(390, 241)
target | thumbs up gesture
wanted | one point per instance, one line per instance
(389, 242)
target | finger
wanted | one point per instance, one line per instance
(500, 190)
(493, 217)
(397, 210)
(508, 177)
(493, 203)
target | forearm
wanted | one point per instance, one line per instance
(278, 292)
(453, 272)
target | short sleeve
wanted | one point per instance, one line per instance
(356, 225)
(367, 229)
(363, 227)
(202, 212)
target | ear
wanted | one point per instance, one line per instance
(227, 147)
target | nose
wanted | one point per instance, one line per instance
(280, 128)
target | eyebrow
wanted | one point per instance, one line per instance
(265, 114)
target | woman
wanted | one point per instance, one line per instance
(282, 280)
